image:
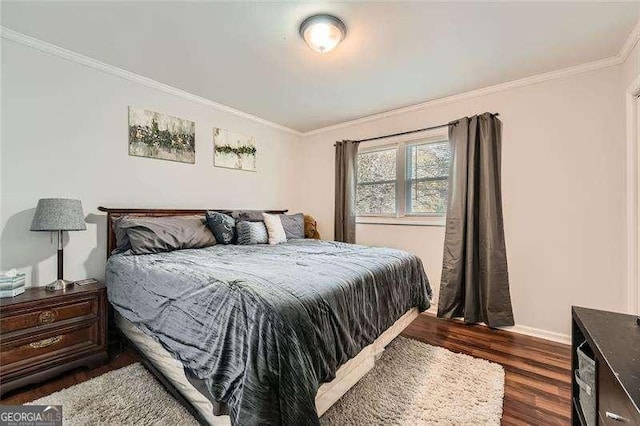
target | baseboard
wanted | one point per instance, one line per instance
(529, 331)
(542, 334)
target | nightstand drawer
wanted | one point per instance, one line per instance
(49, 346)
(32, 318)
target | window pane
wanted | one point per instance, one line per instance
(376, 198)
(427, 196)
(377, 166)
(428, 160)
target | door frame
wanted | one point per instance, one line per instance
(631, 178)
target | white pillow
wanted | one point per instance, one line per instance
(274, 228)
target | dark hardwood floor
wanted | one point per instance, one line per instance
(537, 382)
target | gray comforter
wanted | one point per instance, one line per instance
(263, 326)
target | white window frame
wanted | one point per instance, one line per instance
(402, 217)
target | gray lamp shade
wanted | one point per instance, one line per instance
(58, 214)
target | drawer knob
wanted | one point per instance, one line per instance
(45, 342)
(616, 417)
(47, 317)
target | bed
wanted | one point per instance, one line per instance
(262, 334)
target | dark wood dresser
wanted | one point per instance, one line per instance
(614, 340)
(43, 334)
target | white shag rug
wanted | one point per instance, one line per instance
(412, 384)
(418, 384)
(127, 396)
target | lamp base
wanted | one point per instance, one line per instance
(59, 285)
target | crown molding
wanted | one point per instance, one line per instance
(618, 59)
(44, 46)
(534, 79)
(35, 43)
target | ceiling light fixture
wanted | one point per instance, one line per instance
(323, 32)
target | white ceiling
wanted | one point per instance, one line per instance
(249, 55)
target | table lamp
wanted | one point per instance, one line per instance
(58, 214)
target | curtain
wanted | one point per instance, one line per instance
(475, 280)
(345, 209)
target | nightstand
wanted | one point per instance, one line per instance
(43, 333)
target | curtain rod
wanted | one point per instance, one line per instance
(413, 131)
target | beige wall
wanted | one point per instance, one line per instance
(563, 190)
(630, 74)
(64, 134)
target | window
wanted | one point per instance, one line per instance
(407, 178)
(427, 177)
(376, 191)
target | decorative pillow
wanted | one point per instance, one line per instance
(274, 228)
(167, 233)
(248, 215)
(293, 225)
(223, 227)
(251, 232)
(311, 228)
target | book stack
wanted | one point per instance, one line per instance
(11, 283)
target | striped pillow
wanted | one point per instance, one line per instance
(251, 233)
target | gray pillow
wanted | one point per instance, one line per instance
(252, 233)
(223, 227)
(167, 233)
(293, 225)
(248, 215)
(122, 240)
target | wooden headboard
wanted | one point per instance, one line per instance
(115, 213)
